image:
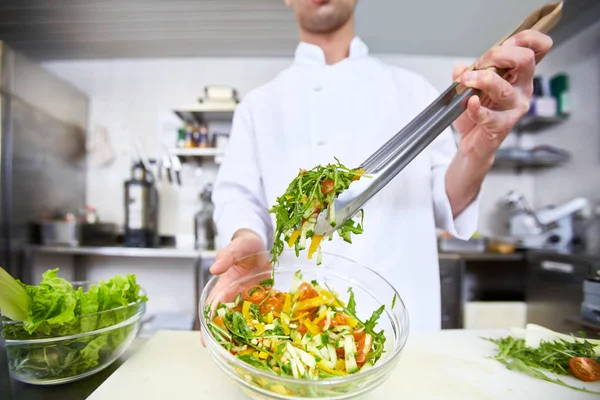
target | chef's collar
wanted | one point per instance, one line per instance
(311, 54)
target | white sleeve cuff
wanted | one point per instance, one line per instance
(465, 224)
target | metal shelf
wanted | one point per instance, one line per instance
(197, 152)
(537, 123)
(519, 163)
(205, 112)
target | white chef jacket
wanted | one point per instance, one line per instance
(312, 112)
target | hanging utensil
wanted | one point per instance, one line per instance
(400, 150)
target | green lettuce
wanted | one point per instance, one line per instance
(53, 309)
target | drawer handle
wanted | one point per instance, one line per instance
(557, 267)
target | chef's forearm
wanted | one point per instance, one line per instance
(464, 177)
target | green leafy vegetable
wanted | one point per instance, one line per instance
(550, 356)
(307, 195)
(14, 301)
(394, 301)
(55, 309)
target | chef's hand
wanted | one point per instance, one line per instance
(489, 119)
(244, 243)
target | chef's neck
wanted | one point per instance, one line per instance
(335, 45)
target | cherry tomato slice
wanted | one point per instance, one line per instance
(327, 186)
(306, 291)
(271, 304)
(255, 294)
(585, 369)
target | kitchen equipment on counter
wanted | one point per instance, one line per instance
(99, 234)
(548, 227)
(400, 150)
(204, 226)
(60, 233)
(453, 245)
(141, 208)
(371, 292)
(555, 287)
(590, 307)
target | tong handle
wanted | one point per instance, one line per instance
(543, 19)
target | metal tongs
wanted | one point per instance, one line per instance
(400, 150)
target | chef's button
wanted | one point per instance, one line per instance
(320, 143)
(318, 88)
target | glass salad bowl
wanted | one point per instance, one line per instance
(338, 273)
(49, 358)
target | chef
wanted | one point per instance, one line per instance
(335, 100)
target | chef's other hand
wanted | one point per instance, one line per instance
(243, 244)
(490, 118)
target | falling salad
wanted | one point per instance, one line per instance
(310, 193)
(306, 333)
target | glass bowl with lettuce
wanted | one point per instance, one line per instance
(58, 332)
(301, 330)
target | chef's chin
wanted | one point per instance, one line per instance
(323, 16)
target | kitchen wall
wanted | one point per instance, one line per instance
(580, 134)
(133, 98)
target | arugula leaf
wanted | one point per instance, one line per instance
(267, 282)
(351, 302)
(372, 322)
(550, 357)
(394, 301)
(254, 361)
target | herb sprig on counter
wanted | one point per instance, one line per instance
(311, 192)
(549, 357)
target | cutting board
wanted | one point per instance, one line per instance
(444, 365)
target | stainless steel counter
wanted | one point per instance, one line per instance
(482, 256)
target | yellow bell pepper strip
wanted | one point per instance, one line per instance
(246, 352)
(246, 310)
(299, 316)
(260, 329)
(279, 389)
(311, 303)
(314, 245)
(285, 323)
(287, 304)
(325, 368)
(293, 238)
(351, 321)
(270, 318)
(340, 365)
(312, 328)
(263, 355)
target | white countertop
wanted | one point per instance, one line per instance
(444, 365)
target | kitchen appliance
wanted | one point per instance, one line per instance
(387, 162)
(43, 156)
(590, 307)
(141, 208)
(61, 233)
(548, 227)
(555, 288)
(204, 226)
